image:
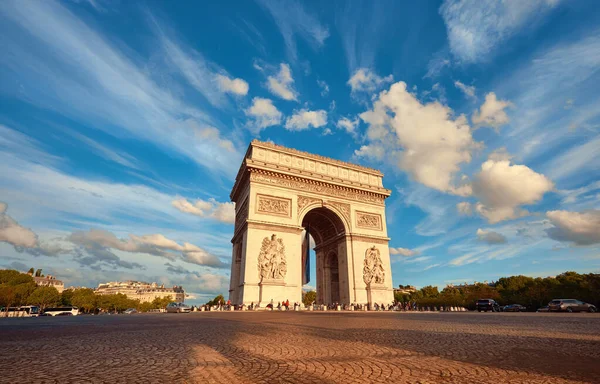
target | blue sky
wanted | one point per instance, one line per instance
(122, 126)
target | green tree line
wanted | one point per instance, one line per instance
(17, 289)
(528, 291)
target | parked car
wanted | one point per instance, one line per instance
(570, 305)
(130, 311)
(487, 305)
(543, 309)
(178, 308)
(514, 308)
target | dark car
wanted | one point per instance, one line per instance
(487, 305)
(514, 308)
(570, 305)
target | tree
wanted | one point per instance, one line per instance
(66, 296)
(218, 299)
(309, 297)
(84, 298)
(38, 273)
(30, 272)
(161, 302)
(44, 296)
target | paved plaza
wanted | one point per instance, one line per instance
(307, 347)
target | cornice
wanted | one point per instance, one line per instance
(308, 155)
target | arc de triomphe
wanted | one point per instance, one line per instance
(281, 191)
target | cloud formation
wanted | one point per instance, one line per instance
(579, 228)
(403, 252)
(491, 113)
(263, 114)
(490, 237)
(350, 126)
(235, 86)
(503, 188)
(468, 90)
(365, 80)
(304, 119)
(433, 142)
(475, 28)
(293, 20)
(282, 83)
(13, 233)
(224, 212)
(464, 208)
(98, 244)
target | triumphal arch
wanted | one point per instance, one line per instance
(279, 193)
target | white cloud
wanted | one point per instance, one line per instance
(434, 144)
(468, 90)
(371, 151)
(13, 233)
(348, 125)
(580, 228)
(304, 119)
(263, 113)
(365, 80)
(490, 237)
(464, 208)
(98, 244)
(224, 212)
(403, 252)
(282, 84)
(476, 27)
(293, 20)
(491, 114)
(324, 87)
(235, 86)
(502, 188)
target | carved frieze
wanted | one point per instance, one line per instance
(304, 201)
(273, 205)
(316, 187)
(373, 271)
(271, 260)
(368, 220)
(344, 208)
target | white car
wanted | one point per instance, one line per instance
(178, 308)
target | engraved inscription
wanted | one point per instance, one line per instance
(368, 220)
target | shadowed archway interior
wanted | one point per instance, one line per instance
(327, 230)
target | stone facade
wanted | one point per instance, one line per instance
(278, 193)
(141, 291)
(49, 281)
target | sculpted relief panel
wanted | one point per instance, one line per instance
(373, 271)
(303, 201)
(344, 208)
(368, 220)
(322, 188)
(271, 260)
(274, 205)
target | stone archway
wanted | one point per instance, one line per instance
(329, 232)
(280, 191)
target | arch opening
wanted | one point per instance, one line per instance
(328, 231)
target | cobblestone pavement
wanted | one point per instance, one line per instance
(263, 347)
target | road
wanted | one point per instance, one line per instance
(307, 347)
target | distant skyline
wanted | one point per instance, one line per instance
(123, 124)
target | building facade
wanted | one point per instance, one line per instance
(49, 281)
(144, 292)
